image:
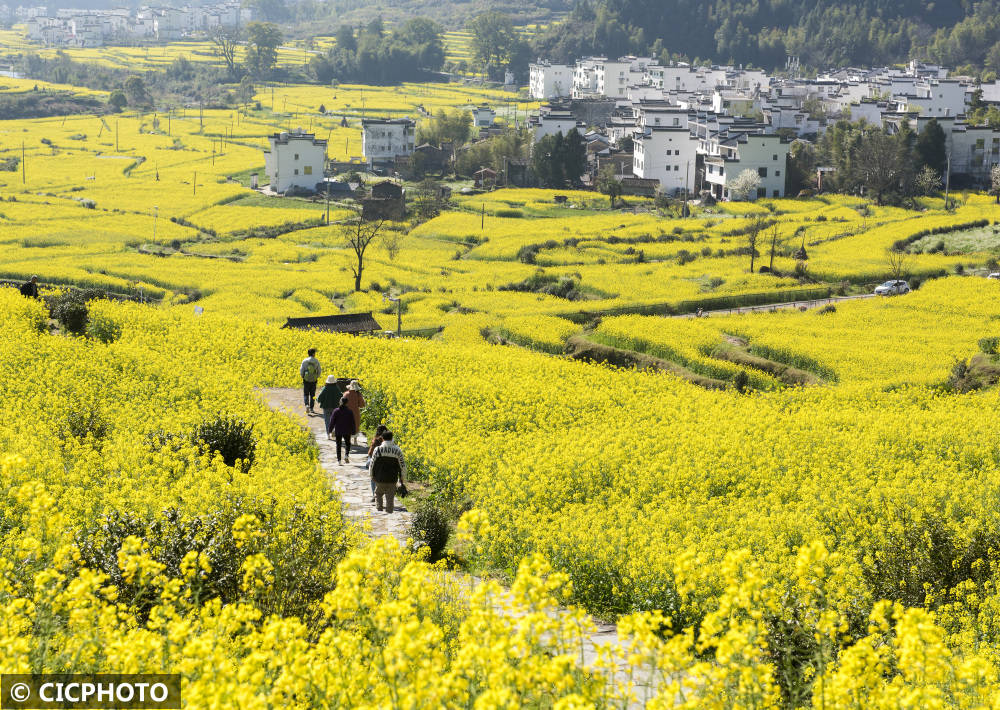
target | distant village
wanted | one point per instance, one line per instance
(69, 27)
(690, 129)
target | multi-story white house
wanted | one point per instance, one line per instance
(550, 81)
(385, 139)
(550, 121)
(730, 153)
(295, 160)
(664, 148)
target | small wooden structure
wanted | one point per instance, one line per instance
(351, 323)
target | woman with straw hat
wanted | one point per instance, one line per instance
(329, 399)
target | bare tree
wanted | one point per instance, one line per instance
(392, 242)
(226, 39)
(358, 236)
(995, 181)
(899, 263)
(753, 237)
(775, 240)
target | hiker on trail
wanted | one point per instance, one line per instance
(329, 399)
(29, 288)
(376, 442)
(342, 424)
(310, 370)
(388, 468)
(356, 402)
(382, 429)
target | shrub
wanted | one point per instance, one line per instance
(828, 308)
(84, 422)
(429, 528)
(303, 546)
(101, 327)
(741, 382)
(230, 438)
(72, 313)
(989, 345)
(513, 214)
(376, 409)
(959, 269)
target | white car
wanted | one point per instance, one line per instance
(892, 288)
(994, 275)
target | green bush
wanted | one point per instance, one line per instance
(989, 345)
(230, 438)
(514, 214)
(303, 546)
(72, 313)
(100, 327)
(429, 528)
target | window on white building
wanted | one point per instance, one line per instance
(296, 156)
(296, 171)
(308, 170)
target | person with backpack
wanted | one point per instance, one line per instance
(342, 424)
(329, 399)
(310, 370)
(388, 468)
(29, 288)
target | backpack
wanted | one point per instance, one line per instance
(311, 373)
(385, 469)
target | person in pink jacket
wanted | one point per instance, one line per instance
(356, 402)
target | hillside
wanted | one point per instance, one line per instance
(820, 32)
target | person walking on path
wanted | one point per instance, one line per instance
(356, 402)
(388, 468)
(329, 399)
(30, 288)
(310, 370)
(376, 442)
(342, 424)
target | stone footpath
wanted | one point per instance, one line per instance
(353, 483)
(351, 480)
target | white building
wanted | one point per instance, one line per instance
(664, 148)
(385, 139)
(550, 81)
(295, 160)
(483, 116)
(730, 152)
(550, 121)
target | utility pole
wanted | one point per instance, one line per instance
(201, 116)
(947, 183)
(482, 221)
(687, 175)
(24, 170)
(327, 203)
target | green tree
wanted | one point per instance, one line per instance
(263, 39)
(117, 100)
(136, 92)
(559, 161)
(609, 184)
(494, 40)
(247, 90)
(447, 126)
(346, 40)
(931, 147)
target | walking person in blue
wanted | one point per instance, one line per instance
(310, 370)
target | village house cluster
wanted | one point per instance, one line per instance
(695, 128)
(70, 27)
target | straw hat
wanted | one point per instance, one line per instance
(331, 380)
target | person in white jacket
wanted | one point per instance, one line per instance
(310, 369)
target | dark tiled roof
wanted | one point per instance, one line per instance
(347, 323)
